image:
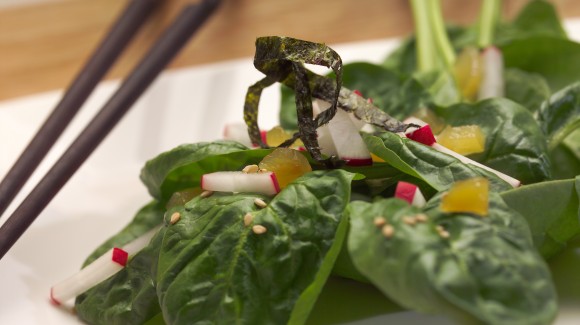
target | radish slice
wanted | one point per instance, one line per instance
(262, 182)
(99, 270)
(344, 135)
(410, 193)
(102, 268)
(492, 83)
(426, 137)
(239, 132)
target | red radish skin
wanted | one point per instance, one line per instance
(53, 300)
(423, 135)
(120, 256)
(405, 191)
(275, 182)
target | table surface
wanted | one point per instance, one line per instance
(43, 45)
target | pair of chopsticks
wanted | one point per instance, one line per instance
(161, 53)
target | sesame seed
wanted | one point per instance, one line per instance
(259, 229)
(260, 203)
(174, 218)
(440, 228)
(411, 221)
(262, 170)
(205, 194)
(388, 231)
(444, 234)
(248, 218)
(421, 217)
(251, 169)
(379, 221)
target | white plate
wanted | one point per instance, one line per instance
(182, 106)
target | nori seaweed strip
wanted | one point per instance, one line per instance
(281, 59)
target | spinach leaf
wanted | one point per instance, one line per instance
(514, 143)
(129, 296)
(560, 115)
(425, 163)
(487, 271)
(556, 59)
(156, 170)
(565, 157)
(147, 218)
(212, 268)
(397, 95)
(527, 89)
(182, 167)
(552, 211)
(537, 18)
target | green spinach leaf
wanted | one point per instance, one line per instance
(556, 59)
(514, 143)
(552, 211)
(527, 89)
(560, 116)
(487, 271)
(537, 18)
(425, 163)
(212, 268)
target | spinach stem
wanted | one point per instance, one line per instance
(446, 51)
(559, 136)
(426, 54)
(488, 16)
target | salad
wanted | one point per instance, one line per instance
(421, 179)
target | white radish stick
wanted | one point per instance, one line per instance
(492, 83)
(102, 268)
(237, 181)
(425, 136)
(99, 270)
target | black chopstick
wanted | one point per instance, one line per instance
(160, 54)
(120, 34)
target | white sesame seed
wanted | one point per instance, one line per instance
(388, 231)
(205, 194)
(411, 221)
(174, 218)
(262, 170)
(251, 169)
(444, 234)
(259, 229)
(421, 217)
(248, 218)
(380, 221)
(440, 228)
(260, 203)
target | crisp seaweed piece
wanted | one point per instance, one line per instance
(282, 60)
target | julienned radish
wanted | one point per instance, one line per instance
(341, 137)
(425, 136)
(237, 181)
(492, 83)
(99, 270)
(239, 132)
(410, 193)
(102, 268)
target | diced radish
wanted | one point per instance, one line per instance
(492, 84)
(410, 193)
(101, 269)
(423, 135)
(426, 137)
(227, 181)
(239, 132)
